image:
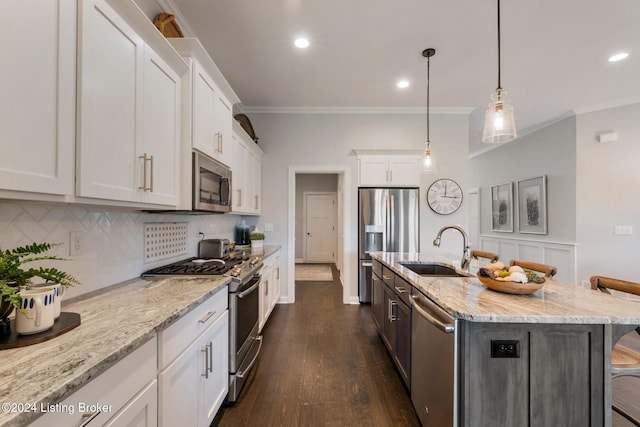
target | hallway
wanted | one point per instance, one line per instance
(322, 364)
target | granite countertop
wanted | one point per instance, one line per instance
(114, 322)
(557, 302)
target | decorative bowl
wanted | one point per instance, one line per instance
(511, 287)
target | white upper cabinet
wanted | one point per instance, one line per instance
(212, 102)
(160, 145)
(246, 180)
(110, 84)
(37, 112)
(388, 170)
(128, 107)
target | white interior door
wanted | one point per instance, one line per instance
(320, 227)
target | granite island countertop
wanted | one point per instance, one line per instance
(115, 321)
(468, 299)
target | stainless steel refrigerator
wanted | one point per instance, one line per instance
(389, 221)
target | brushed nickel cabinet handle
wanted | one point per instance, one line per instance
(207, 316)
(87, 418)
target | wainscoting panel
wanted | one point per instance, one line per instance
(559, 254)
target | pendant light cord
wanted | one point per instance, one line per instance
(428, 85)
(499, 45)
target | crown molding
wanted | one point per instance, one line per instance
(354, 110)
(606, 106)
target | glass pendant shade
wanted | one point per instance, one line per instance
(427, 160)
(499, 125)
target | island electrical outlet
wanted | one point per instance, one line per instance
(505, 348)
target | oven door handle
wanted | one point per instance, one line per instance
(248, 291)
(241, 374)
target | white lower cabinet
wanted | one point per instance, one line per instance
(123, 395)
(193, 385)
(269, 287)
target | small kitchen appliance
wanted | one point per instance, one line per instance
(213, 248)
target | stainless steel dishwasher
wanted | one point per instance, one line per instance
(434, 357)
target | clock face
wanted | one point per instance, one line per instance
(444, 196)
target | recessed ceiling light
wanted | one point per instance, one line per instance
(301, 43)
(618, 57)
(402, 84)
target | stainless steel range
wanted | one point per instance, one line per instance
(244, 341)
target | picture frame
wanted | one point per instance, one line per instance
(532, 205)
(502, 207)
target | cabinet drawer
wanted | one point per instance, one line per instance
(403, 290)
(387, 276)
(111, 390)
(178, 336)
(377, 268)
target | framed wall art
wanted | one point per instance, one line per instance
(532, 205)
(502, 207)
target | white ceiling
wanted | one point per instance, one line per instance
(554, 54)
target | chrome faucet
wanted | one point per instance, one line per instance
(466, 254)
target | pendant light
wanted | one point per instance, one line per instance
(428, 160)
(499, 125)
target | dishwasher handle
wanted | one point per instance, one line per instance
(431, 312)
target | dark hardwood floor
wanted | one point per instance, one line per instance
(322, 364)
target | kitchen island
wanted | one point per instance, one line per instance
(115, 322)
(539, 359)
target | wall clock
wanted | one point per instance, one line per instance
(444, 196)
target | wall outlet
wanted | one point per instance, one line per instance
(268, 226)
(76, 243)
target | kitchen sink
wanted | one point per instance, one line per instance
(423, 269)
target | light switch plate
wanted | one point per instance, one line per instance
(268, 226)
(623, 230)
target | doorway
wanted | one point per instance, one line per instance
(307, 179)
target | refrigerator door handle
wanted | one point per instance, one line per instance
(391, 221)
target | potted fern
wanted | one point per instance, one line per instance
(13, 276)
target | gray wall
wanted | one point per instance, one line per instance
(550, 151)
(608, 194)
(328, 139)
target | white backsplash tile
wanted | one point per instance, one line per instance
(113, 239)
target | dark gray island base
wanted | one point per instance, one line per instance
(470, 356)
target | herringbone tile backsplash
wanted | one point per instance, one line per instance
(113, 239)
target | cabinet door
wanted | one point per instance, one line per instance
(37, 113)
(404, 171)
(214, 359)
(374, 172)
(377, 302)
(264, 297)
(222, 129)
(177, 385)
(204, 106)
(238, 179)
(141, 411)
(389, 325)
(110, 65)
(255, 173)
(158, 152)
(402, 354)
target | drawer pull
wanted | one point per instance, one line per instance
(401, 290)
(87, 418)
(207, 316)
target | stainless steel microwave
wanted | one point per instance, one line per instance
(211, 185)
